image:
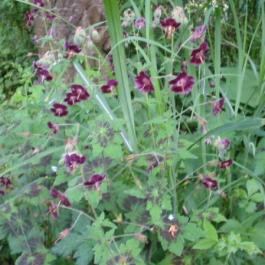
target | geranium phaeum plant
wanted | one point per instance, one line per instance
(137, 135)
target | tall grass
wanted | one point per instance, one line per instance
(119, 60)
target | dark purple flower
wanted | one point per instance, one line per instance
(198, 32)
(210, 183)
(5, 182)
(218, 106)
(94, 181)
(71, 98)
(59, 195)
(143, 82)
(72, 49)
(64, 200)
(110, 86)
(170, 25)
(198, 55)
(2, 193)
(42, 73)
(49, 16)
(53, 210)
(73, 160)
(225, 164)
(54, 127)
(80, 91)
(30, 17)
(39, 2)
(182, 84)
(139, 23)
(55, 193)
(59, 109)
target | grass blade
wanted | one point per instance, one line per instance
(119, 60)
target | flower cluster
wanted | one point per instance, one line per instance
(78, 93)
(32, 14)
(183, 82)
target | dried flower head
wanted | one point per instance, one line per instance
(128, 18)
(171, 228)
(178, 14)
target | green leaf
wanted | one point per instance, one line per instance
(155, 212)
(192, 232)
(114, 151)
(252, 186)
(93, 197)
(60, 178)
(246, 124)
(177, 246)
(210, 231)
(259, 165)
(204, 244)
(75, 194)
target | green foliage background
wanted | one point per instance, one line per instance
(15, 44)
